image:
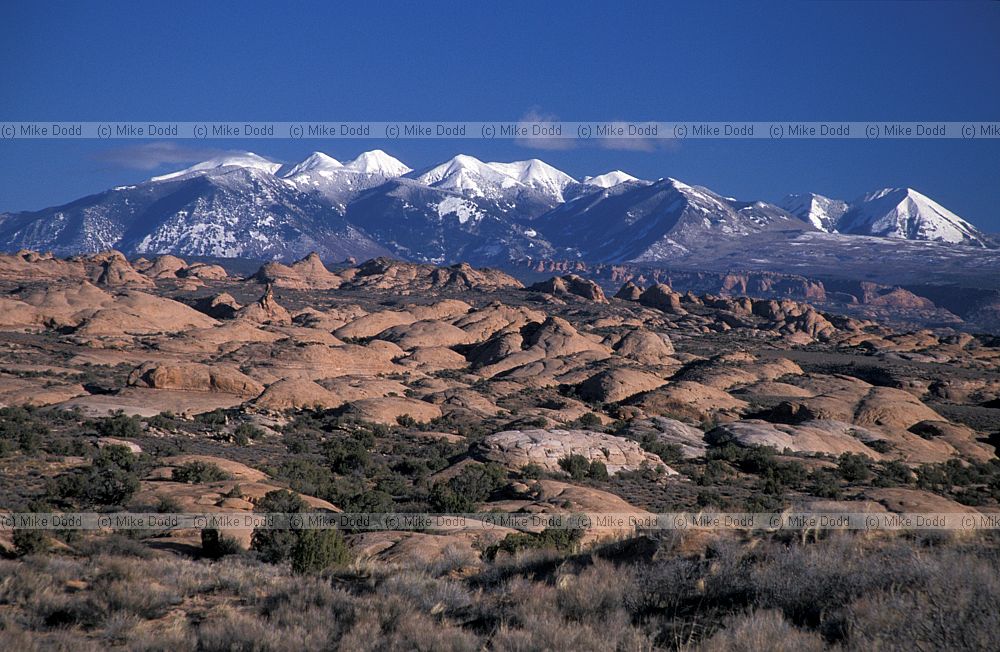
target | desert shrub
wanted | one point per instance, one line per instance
(472, 485)
(589, 420)
(163, 421)
(308, 550)
(316, 550)
(120, 426)
(347, 455)
(215, 545)
(216, 417)
(824, 483)
(854, 467)
(110, 480)
(307, 477)
(406, 421)
(531, 472)
(597, 471)
(29, 542)
(272, 545)
(762, 630)
(579, 467)
(198, 471)
(21, 428)
(892, 474)
(244, 433)
(557, 539)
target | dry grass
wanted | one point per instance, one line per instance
(844, 592)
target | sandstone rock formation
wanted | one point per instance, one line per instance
(544, 448)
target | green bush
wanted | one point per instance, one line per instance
(316, 550)
(110, 480)
(579, 468)
(29, 542)
(471, 486)
(347, 455)
(197, 471)
(120, 426)
(558, 539)
(307, 550)
(215, 545)
(19, 428)
(853, 467)
(275, 546)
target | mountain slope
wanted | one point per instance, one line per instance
(822, 212)
(638, 222)
(904, 213)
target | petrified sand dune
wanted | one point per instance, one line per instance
(308, 273)
(615, 385)
(544, 448)
(197, 377)
(830, 437)
(388, 410)
(571, 284)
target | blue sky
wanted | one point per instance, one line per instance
(499, 61)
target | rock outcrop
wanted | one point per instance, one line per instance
(544, 448)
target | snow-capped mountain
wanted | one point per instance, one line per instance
(247, 160)
(637, 222)
(609, 179)
(898, 213)
(340, 182)
(904, 213)
(822, 212)
(245, 205)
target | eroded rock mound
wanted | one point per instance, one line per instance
(265, 311)
(571, 284)
(615, 385)
(407, 278)
(308, 273)
(830, 437)
(195, 377)
(544, 448)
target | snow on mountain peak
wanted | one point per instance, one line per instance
(377, 162)
(537, 174)
(822, 212)
(609, 179)
(315, 162)
(234, 159)
(907, 214)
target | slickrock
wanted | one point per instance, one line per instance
(265, 311)
(219, 306)
(422, 334)
(388, 410)
(163, 267)
(615, 385)
(518, 448)
(571, 284)
(308, 273)
(691, 400)
(830, 437)
(372, 324)
(690, 440)
(196, 377)
(662, 297)
(629, 292)
(205, 272)
(291, 393)
(408, 278)
(646, 347)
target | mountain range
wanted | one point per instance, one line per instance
(247, 206)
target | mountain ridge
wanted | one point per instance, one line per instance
(244, 204)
